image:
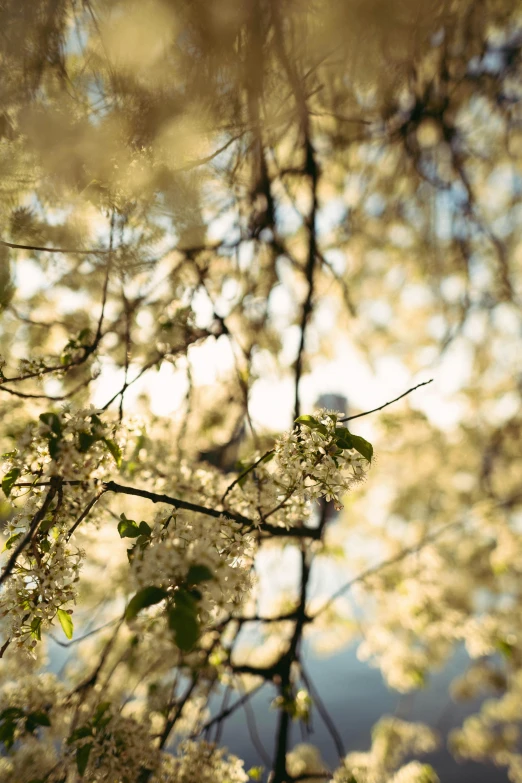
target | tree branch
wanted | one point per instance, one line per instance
(374, 410)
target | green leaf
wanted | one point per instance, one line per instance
(504, 648)
(145, 529)
(11, 540)
(187, 600)
(198, 573)
(256, 773)
(9, 480)
(363, 447)
(96, 421)
(54, 447)
(55, 434)
(82, 758)
(45, 545)
(127, 528)
(86, 439)
(79, 733)
(312, 423)
(183, 619)
(343, 438)
(114, 450)
(7, 731)
(35, 719)
(52, 421)
(146, 597)
(66, 622)
(47, 524)
(36, 628)
(11, 713)
(100, 711)
(185, 627)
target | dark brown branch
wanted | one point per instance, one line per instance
(92, 251)
(38, 517)
(112, 486)
(294, 532)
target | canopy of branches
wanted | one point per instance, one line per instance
(212, 213)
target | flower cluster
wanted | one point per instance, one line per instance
(31, 724)
(112, 747)
(392, 741)
(201, 762)
(72, 443)
(39, 589)
(50, 478)
(199, 566)
(319, 458)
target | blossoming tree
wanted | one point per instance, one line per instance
(266, 186)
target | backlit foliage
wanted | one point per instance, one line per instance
(201, 203)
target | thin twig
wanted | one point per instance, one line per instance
(85, 635)
(245, 473)
(374, 410)
(83, 251)
(385, 563)
(325, 715)
(84, 513)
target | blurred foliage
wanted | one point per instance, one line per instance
(288, 182)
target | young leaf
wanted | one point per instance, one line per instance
(7, 731)
(47, 524)
(127, 528)
(101, 709)
(85, 440)
(82, 758)
(145, 530)
(35, 719)
(11, 540)
(146, 597)
(54, 447)
(36, 628)
(11, 713)
(312, 423)
(183, 619)
(185, 627)
(198, 573)
(52, 421)
(363, 447)
(343, 438)
(79, 733)
(66, 622)
(9, 480)
(114, 449)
